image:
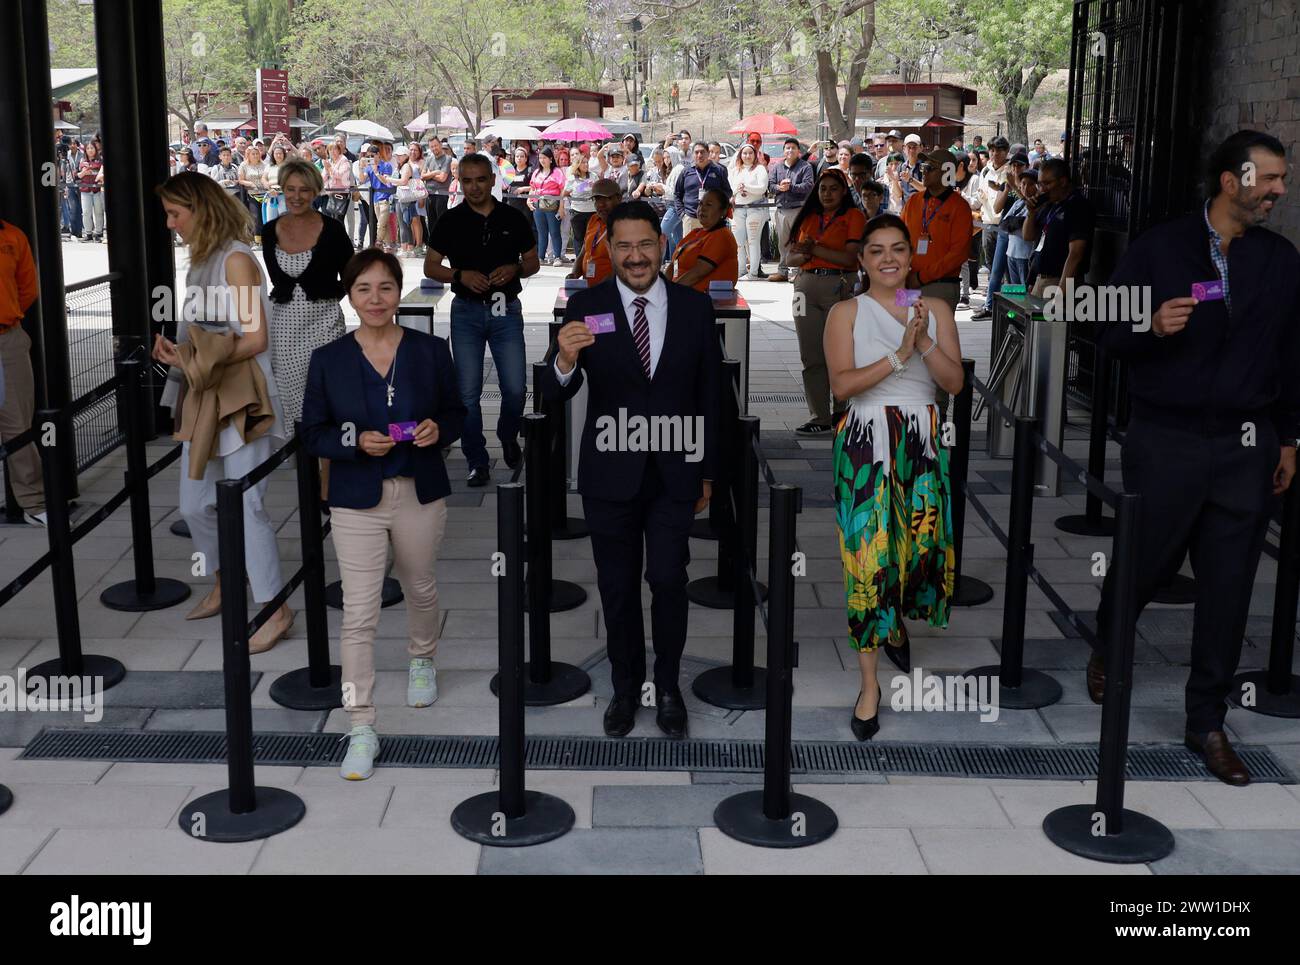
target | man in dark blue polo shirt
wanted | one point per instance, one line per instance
(694, 181)
(1215, 411)
(491, 249)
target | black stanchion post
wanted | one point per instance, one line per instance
(540, 458)
(511, 816)
(145, 592)
(719, 592)
(741, 686)
(967, 590)
(319, 685)
(563, 526)
(1107, 831)
(1275, 692)
(242, 812)
(1092, 522)
(13, 512)
(1020, 689)
(548, 682)
(53, 435)
(711, 526)
(776, 817)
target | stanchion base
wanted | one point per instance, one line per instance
(971, 592)
(125, 596)
(1180, 590)
(480, 818)
(570, 527)
(6, 798)
(1264, 702)
(716, 687)
(392, 593)
(1080, 525)
(564, 596)
(109, 671)
(294, 690)
(741, 817)
(703, 529)
(1143, 839)
(277, 810)
(707, 592)
(180, 528)
(567, 683)
(1036, 688)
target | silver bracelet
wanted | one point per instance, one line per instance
(895, 363)
(933, 345)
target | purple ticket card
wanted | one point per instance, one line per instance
(600, 324)
(401, 431)
(1208, 291)
(907, 297)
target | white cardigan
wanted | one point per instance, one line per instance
(754, 181)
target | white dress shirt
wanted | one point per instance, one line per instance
(656, 316)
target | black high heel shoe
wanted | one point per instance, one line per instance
(901, 656)
(864, 730)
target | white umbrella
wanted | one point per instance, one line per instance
(368, 129)
(65, 126)
(450, 117)
(510, 131)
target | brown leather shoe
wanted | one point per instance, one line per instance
(271, 631)
(1096, 677)
(1220, 759)
(778, 276)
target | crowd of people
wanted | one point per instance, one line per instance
(882, 241)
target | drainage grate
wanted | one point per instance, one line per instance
(782, 398)
(1077, 762)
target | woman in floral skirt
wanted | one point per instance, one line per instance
(885, 358)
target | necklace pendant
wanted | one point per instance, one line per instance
(391, 392)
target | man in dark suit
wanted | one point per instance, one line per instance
(648, 351)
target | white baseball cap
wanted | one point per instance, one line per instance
(912, 139)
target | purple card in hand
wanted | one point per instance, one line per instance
(907, 297)
(1208, 291)
(600, 324)
(401, 431)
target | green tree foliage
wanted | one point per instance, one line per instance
(1013, 48)
(205, 46)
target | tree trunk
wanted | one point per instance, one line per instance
(758, 74)
(1017, 97)
(841, 118)
(731, 84)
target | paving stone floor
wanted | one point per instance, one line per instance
(92, 817)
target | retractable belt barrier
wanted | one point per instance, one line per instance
(52, 428)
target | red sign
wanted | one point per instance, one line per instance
(273, 102)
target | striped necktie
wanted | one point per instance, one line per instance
(641, 333)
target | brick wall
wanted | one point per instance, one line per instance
(1252, 79)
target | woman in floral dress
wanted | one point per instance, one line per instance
(885, 358)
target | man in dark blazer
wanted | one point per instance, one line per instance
(648, 351)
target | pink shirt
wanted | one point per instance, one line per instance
(550, 184)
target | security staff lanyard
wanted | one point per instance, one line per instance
(591, 255)
(923, 245)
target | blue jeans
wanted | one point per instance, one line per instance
(473, 326)
(999, 266)
(72, 210)
(671, 226)
(547, 225)
(1017, 270)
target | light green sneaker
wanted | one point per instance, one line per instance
(421, 683)
(363, 747)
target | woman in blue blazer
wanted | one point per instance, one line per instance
(382, 404)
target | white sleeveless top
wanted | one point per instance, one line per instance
(876, 333)
(210, 301)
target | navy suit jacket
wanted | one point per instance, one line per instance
(686, 384)
(335, 397)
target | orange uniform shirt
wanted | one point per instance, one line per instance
(595, 265)
(18, 287)
(945, 223)
(718, 245)
(832, 231)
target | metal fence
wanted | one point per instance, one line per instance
(97, 428)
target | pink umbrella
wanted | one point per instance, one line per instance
(576, 129)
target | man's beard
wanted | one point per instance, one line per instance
(1250, 206)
